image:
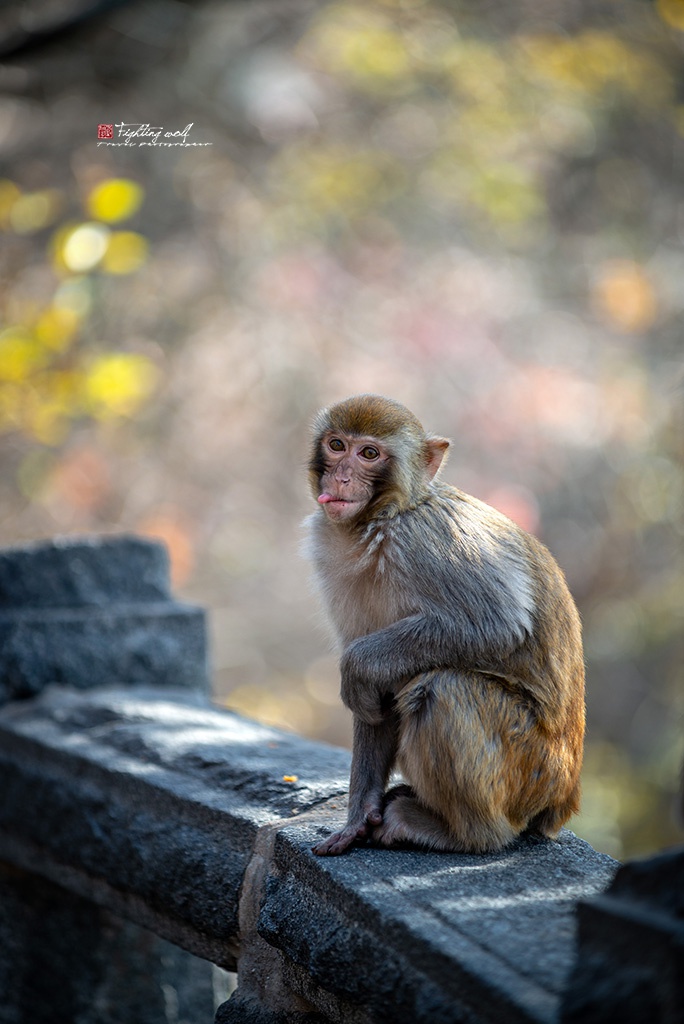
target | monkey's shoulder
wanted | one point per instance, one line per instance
(511, 559)
(455, 526)
(478, 526)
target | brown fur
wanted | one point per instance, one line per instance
(461, 646)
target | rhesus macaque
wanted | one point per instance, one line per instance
(461, 645)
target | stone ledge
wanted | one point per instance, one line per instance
(176, 814)
(434, 937)
(149, 802)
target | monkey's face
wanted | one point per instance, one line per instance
(351, 469)
(371, 458)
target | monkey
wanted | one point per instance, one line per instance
(461, 648)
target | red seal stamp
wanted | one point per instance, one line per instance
(105, 131)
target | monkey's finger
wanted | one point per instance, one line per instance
(338, 842)
(333, 846)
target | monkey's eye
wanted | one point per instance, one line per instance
(336, 445)
(369, 452)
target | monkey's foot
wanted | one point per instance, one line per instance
(406, 822)
(354, 831)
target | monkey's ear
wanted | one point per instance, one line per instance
(436, 450)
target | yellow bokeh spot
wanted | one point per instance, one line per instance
(593, 61)
(49, 424)
(20, 354)
(506, 193)
(80, 249)
(625, 296)
(339, 181)
(114, 200)
(375, 53)
(126, 253)
(672, 13)
(9, 193)
(476, 70)
(56, 327)
(116, 384)
(361, 44)
(34, 211)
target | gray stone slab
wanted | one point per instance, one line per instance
(80, 571)
(95, 611)
(138, 644)
(439, 938)
(149, 802)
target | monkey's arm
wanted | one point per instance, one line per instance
(377, 666)
(373, 754)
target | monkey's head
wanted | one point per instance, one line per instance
(371, 457)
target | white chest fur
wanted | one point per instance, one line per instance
(359, 592)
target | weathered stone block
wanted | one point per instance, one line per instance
(149, 801)
(388, 936)
(75, 572)
(630, 962)
(66, 960)
(94, 612)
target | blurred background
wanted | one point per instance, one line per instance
(473, 207)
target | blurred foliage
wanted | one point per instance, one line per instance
(51, 371)
(475, 209)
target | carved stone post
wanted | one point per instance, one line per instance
(85, 613)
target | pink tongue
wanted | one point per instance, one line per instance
(323, 498)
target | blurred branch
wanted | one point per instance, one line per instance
(30, 24)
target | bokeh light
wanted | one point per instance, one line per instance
(114, 200)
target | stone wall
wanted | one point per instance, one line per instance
(146, 835)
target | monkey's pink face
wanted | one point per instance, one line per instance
(353, 468)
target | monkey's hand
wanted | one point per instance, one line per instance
(359, 827)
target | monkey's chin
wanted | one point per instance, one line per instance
(339, 511)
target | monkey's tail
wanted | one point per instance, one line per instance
(550, 821)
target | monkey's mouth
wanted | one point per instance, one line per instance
(335, 503)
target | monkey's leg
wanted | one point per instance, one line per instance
(474, 757)
(373, 753)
